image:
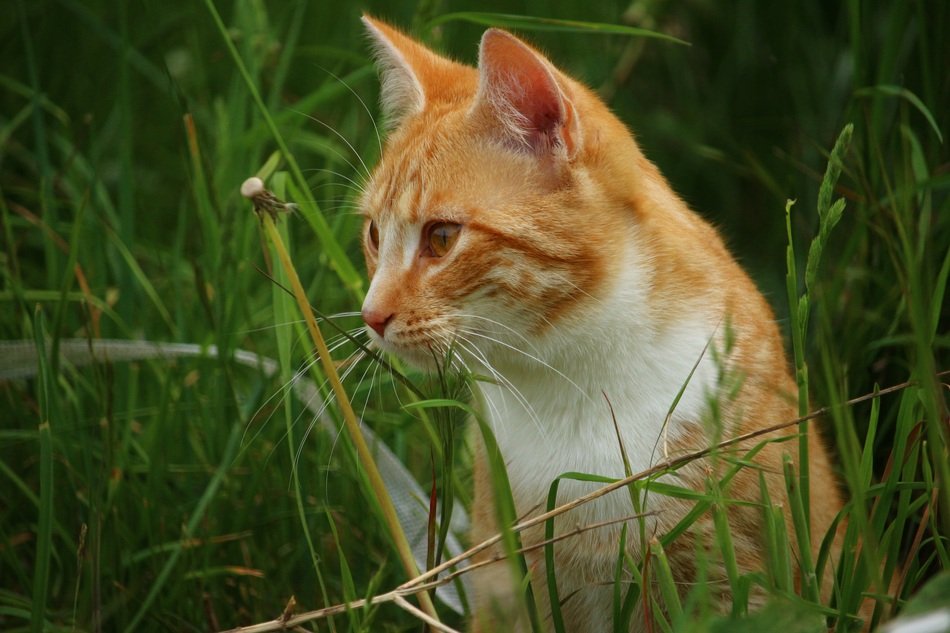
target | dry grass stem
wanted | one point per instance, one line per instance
(264, 202)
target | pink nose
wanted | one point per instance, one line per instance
(377, 320)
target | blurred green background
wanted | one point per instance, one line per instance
(125, 132)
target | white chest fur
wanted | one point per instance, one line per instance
(554, 419)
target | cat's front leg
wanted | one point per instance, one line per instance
(497, 606)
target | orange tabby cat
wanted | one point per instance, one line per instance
(514, 218)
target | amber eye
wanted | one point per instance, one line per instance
(373, 235)
(440, 237)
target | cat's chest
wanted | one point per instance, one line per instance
(572, 418)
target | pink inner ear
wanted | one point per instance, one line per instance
(539, 101)
(522, 89)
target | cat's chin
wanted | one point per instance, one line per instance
(417, 356)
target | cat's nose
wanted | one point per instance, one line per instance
(377, 320)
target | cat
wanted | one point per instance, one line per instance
(513, 219)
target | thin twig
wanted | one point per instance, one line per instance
(399, 594)
(422, 615)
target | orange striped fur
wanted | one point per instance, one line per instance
(573, 272)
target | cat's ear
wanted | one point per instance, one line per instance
(410, 74)
(520, 89)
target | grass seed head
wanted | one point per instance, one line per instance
(252, 187)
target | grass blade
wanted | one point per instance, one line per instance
(534, 23)
(808, 579)
(728, 550)
(557, 619)
(907, 95)
(664, 575)
(44, 531)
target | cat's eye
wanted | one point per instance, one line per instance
(440, 237)
(373, 234)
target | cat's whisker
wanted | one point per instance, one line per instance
(283, 389)
(547, 321)
(340, 340)
(349, 198)
(340, 201)
(320, 319)
(337, 204)
(530, 356)
(353, 360)
(472, 348)
(456, 361)
(354, 185)
(507, 328)
(313, 357)
(568, 281)
(333, 183)
(493, 409)
(278, 394)
(370, 366)
(340, 206)
(447, 337)
(372, 119)
(369, 393)
(488, 401)
(393, 382)
(339, 431)
(342, 138)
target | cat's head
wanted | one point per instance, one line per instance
(496, 218)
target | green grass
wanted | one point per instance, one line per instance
(191, 493)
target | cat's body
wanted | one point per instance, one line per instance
(514, 218)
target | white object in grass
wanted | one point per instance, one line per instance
(933, 622)
(252, 187)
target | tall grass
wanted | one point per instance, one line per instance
(193, 494)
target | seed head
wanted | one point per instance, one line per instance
(252, 187)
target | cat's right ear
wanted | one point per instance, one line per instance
(410, 74)
(519, 89)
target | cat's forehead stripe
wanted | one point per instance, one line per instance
(407, 200)
(404, 189)
(404, 176)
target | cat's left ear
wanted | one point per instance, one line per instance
(412, 76)
(520, 90)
